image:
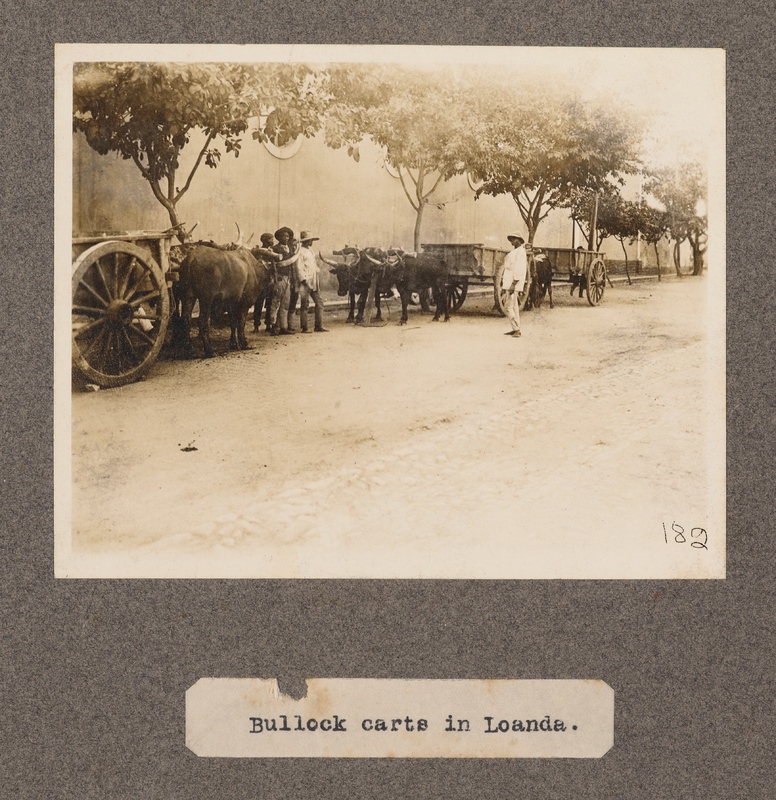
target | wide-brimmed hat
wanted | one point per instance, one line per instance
(283, 230)
(306, 236)
(513, 236)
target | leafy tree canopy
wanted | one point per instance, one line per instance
(683, 192)
(414, 114)
(147, 112)
(541, 147)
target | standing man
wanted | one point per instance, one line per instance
(281, 289)
(307, 281)
(513, 279)
(265, 252)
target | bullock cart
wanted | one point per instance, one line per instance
(477, 265)
(473, 265)
(121, 304)
(585, 269)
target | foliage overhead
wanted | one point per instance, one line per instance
(147, 112)
(652, 222)
(581, 203)
(540, 148)
(414, 115)
(683, 192)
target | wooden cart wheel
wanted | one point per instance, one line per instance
(456, 292)
(596, 282)
(121, 307)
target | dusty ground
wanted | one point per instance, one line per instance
(419, 451)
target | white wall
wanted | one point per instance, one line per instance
(317, 189)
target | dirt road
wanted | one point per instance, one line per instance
(426, 450)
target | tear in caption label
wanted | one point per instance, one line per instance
(361, 718)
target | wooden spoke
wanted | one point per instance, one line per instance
(94, 292)
(97, 339)
(456, 293)
(130, 291)
(116, 274)
(90, 326)
(109, 352)
(89, 311)
(104, 280)
(122, 293)
(141, 333)
(131, 347)
(144, 298)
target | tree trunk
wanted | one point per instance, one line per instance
(182, 235)
(677, 258)
(657, 256)
(697, 256)
(172, 212)
(418, 223)
(625, 253)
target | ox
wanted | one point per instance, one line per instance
(354, 278)
(417, 273)
(541, 282)
(233, 277)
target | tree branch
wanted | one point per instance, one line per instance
(406, 191)
(171, 186)
(195, 167)
(139, 164)
(433, 188)
(537, 207)
(419, 183)
(155, 188)
(523, 209)
(543, 216)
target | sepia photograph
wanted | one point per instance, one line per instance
(389, 312)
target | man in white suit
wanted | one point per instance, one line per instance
(513, 279)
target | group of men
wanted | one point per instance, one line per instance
(294, 277)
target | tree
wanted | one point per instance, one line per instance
(412, 114)
(148, 113)
(583, 204)
(683, 193)
(541, 147)
(620, 219)
(652, 223)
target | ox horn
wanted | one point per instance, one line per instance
(330, 263)
(372, 260)
(239, 241)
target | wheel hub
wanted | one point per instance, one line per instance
(119, 312)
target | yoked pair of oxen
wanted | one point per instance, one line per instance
(409, 273)
(236, 276)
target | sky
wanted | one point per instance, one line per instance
(680, 91)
